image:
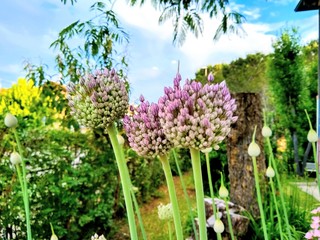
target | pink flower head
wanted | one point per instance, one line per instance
(196, 115)
(145, 134)
(309, 234)
(99, 99)
(315, 211)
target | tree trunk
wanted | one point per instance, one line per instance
(242, 185)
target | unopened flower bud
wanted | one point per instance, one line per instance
(218, 226)
(312, 136)
(206, 150)
(15, 158)
(270, 172)
(120, 139)
(266, 131)
(54, 237)
(254, 150)
(223, 192)
(10, 120)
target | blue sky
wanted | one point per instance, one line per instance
(27, 28)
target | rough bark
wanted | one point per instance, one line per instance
(242, 185)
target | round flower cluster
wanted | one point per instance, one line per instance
(97, 237)
(195, 115)
(145, 134)
(99, 99)
(314, 233)
(165, 211)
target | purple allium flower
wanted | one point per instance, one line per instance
(195, 115)
(99, 99)
(144, 131)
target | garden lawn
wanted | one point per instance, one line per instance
(157, 229)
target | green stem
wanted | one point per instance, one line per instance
(314, 153)
(173, 197)
(215, 212)
(136, 206)
(283, 205)
(256, 178)
(185, 194)
(197, 175)
(169, 230)
(276, 206)
(125, 179)
(316, 164)
(229, 219)
(24, 186)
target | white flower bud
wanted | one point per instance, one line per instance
(10, 120)
(266, 131)
(120, 139)
(253, 149)
(54, 237)
(206, 150)
(270, 172)
(223, 192)
(15, 158)
(218, 226)
(312, 136)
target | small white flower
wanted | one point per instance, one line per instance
(253, 150)
(223, 192)
(96, 237)
(165, 211)
(10, 120)
(270, 172)
(266, 131)
(312, 136)
(15, 158)
(218, 226)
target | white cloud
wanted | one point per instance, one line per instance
(252, 14)
(144, 17)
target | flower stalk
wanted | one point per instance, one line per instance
(185, 194)
(125, 179)
(197, 175)
(313, 138)
(278, 181)
(173, 197)
(254, 151)
(223, 192)
(214, 208)
(24, 186)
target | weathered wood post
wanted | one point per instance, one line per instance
(242, 185)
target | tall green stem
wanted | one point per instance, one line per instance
(316, 164)
(276, 206)
(173, 197)
(229, 219)
(283, 204)
(24, 186)
(197, 175)
(185, 194)
(125, 179)
(136, 206)
(315, 157)
(215, 212)
(256, 178)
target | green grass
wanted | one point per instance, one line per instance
(157, 229)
